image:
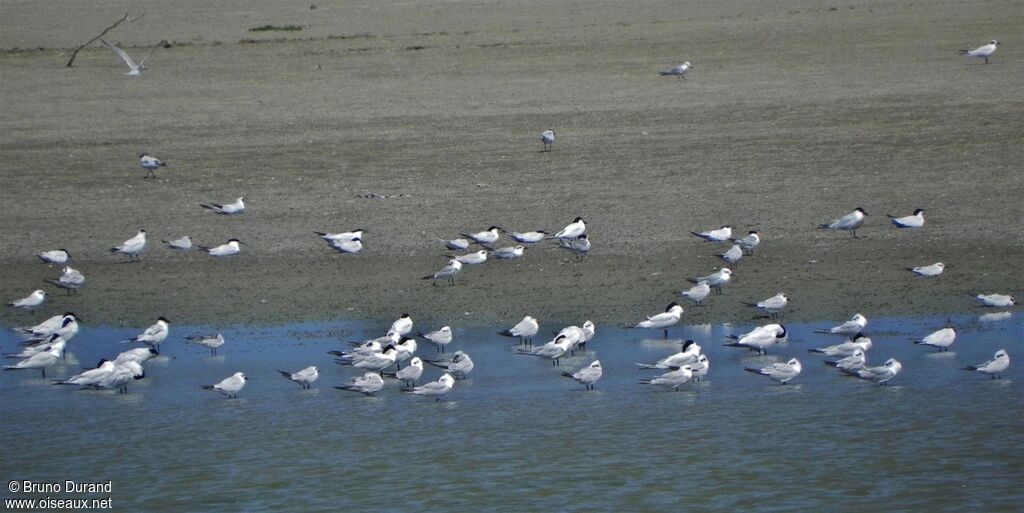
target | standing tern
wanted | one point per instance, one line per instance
(553, 350)
(237, 207)
(994, 367)
(150, 164)
(850, 222)
(771, 306)
(881, 374)
(123, 373)
(138, 355)
(402, 325)
(915, 220)
(224, 250)
(670, 317)
(733, 255)
(698, 293)
(547, 138)
(47, 327)
(720, 235)
(447, 272)
(941, 339)
(134, 70)
(715, 280)
(183, 244)
(573, 230)
(304, 377)
(229, 386)
(524, 330)
(372, 362)
(367, 384)
(701, 367)
(679, 71)
(673, 379)
(760, 338)
(982, 52)
(849, 328)
(459, 366)
(588, 375)
(475, 258)
(850, 364)
(689, 353)
(435, 389)
(55, 340)
(211, 342)
(70, 280)
(410, 373)
(154, 335)
(91, 377)
(749, 242)
(580, 246)
(32, 300)
(780, 372)
(67, 330)
(40, 360)
(132, 247)
(858, 343)
(439, 338)
(484, 238)
(55, 256)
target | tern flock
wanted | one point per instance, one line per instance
(383, 357)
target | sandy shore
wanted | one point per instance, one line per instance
(795, 113)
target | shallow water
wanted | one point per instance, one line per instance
(516, 436)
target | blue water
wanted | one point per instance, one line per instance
(516, 436)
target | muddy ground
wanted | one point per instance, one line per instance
(796, 112)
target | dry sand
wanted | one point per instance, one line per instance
(796, 113)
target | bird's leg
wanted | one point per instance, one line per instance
(666, 332)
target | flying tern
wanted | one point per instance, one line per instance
(134, 70)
